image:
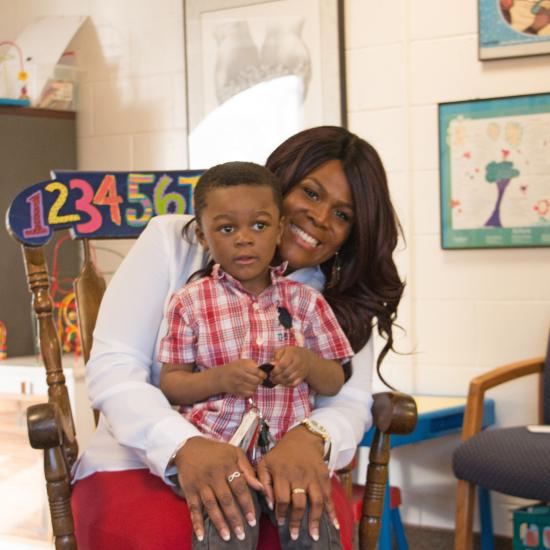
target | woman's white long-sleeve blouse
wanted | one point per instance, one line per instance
(138, 428)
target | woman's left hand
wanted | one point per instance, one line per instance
(292, 474)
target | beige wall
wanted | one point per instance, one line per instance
(464, 311)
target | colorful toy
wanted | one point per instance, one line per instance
(3, 341)
(67, 327)
(22, 75)
(64, 303)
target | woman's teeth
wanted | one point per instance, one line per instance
(303, 235)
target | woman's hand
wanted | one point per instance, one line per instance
(291, 366)
(295, 463)
(204, 470)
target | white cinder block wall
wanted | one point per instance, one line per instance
(464, 311)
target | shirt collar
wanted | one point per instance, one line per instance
(276, 273)
(311, 276)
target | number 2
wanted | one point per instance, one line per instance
(53, 215)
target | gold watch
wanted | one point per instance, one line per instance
(315, 428)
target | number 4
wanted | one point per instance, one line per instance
(107, 195)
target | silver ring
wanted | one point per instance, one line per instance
(233, 476)
(298, 491)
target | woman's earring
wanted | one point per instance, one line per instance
(335, 273)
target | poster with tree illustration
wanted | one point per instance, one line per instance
(495, 172)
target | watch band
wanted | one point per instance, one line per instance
(318, 429)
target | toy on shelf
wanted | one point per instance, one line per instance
(64, 306)
(3, 341)
(67, 327)
(22, 76)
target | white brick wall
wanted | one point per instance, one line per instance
(464, 311)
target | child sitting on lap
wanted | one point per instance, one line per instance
(239, 313)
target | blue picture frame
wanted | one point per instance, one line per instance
(513, 28)
(494, 163)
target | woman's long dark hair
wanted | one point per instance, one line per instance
(368, 289)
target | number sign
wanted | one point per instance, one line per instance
(99, 205)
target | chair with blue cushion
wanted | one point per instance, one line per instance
(511, 460)
(107, 205)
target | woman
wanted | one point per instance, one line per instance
(340, 234)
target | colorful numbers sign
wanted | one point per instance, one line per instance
(99, 205)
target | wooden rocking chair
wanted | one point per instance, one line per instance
(90, 205)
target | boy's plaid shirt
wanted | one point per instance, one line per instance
(214, 320)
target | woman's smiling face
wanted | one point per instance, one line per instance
(319, 213)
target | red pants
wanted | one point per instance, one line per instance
(135, 510)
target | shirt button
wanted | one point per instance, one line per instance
(259, 340)
(255, 306)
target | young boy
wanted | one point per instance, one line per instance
(240, 313)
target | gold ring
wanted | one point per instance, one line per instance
(298, 491)
(233, 476)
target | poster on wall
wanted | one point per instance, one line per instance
(494, 157)
(258, 71)
(513, 28)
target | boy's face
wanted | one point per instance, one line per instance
(241, 226)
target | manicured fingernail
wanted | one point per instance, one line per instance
(270, 505)
(336, 524)
(240, 533)
(199, 535)
(280, 521)
(225, 535)
(295, 532)
(315, 534)
(251, 520)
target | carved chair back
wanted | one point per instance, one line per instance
(115, 205)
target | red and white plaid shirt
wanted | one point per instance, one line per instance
(214, 320)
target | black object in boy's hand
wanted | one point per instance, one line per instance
(267, 368)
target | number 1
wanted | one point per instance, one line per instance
(37, 228)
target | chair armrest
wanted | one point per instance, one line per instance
(473, 415)
(44, 426)
(46, 432)
(394, 413)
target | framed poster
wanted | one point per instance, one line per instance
(513, 28)
(258, 72)
(494, 157)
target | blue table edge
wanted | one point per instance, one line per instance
(437, 423)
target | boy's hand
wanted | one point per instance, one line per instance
(241, 377)
(292, 365)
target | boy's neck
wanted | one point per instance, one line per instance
(256, 287)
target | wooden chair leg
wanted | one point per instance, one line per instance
(345, 475)
(464, 517)
(373, 502)
(59, 497)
